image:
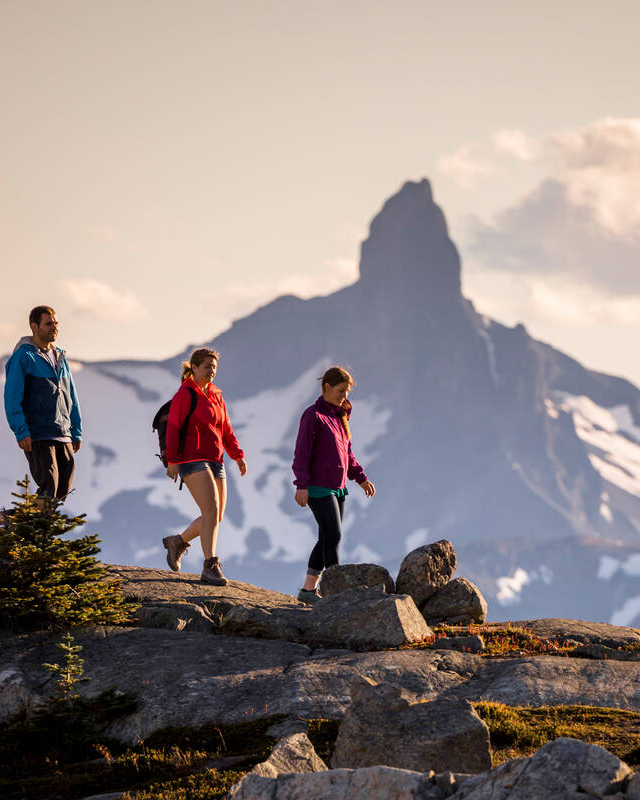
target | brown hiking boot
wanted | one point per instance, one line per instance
(212, 572)
(176, 548)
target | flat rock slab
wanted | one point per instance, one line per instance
(194, 679)
(150, 586)
(552, 680)
(580, 630)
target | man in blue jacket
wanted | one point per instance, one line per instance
(41, 405)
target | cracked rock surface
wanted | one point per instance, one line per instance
(196, 674)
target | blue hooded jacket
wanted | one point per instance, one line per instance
(38, 401)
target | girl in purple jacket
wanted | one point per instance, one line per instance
(322, 462)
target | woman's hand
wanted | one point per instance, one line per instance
(302, 497)
(173, 472)
(242, 466)
(368, 488)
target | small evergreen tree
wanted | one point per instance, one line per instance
(50, 582)
(70, 672)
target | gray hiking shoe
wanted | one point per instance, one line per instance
(176, 548)
(212, 572)
(309, 596)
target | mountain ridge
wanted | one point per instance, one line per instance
(471, 430)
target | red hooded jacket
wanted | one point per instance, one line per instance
(209, 429)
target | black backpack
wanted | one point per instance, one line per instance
(160, 424)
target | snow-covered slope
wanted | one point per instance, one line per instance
(471, 431)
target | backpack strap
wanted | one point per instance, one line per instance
(183, 428)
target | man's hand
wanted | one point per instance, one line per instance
(368, 488)
(25, 444)
(76, 445)
(242, 466)
(302, 497)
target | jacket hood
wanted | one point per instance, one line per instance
(24, 340)
(28, 340)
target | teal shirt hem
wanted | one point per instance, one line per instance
(322, 491)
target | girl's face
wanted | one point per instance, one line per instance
(336, 395)
(204, 373)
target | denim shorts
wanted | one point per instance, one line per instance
(216, 467)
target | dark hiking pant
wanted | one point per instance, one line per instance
(52, 467)
(328, 512)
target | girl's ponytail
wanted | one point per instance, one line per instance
(187, 371)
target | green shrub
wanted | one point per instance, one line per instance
(518, 731)
(47, 582)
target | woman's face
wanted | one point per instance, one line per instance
(336, 395)
(204, 373)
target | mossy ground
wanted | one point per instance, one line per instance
(172, 764)
(180, 763)
(519, 731)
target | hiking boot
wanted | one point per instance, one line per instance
(176, 548)
(309, 596)
(212, 572)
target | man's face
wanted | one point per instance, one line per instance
(47, 330)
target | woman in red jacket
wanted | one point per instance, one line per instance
(195, 452)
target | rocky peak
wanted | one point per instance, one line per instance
(408, 253)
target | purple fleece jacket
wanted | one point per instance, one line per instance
(323, 455)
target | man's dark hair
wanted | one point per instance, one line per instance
(37, 312)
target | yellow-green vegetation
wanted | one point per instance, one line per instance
(511, 640)
(500, 640)
(47, 582)
(62, 755)
(206, 786)
(172, 763)
(519, 731)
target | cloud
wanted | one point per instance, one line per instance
(463, 166)
(548, 234)
(555, 300)
(516, 143)
(97, 299)
(600, 167)
(581, 223)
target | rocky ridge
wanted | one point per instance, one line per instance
(219, 655)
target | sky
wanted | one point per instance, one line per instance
(167, 167)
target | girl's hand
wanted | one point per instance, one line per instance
(368, 488)
(302, 497)
(242, 466)
(172, 472)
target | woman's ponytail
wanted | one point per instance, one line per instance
(187, 371)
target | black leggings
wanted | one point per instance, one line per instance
(328, 512)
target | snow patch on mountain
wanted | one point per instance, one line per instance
(627, 614)
(609, 565)
(511, 586)
(491, 350)
(613, 441)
